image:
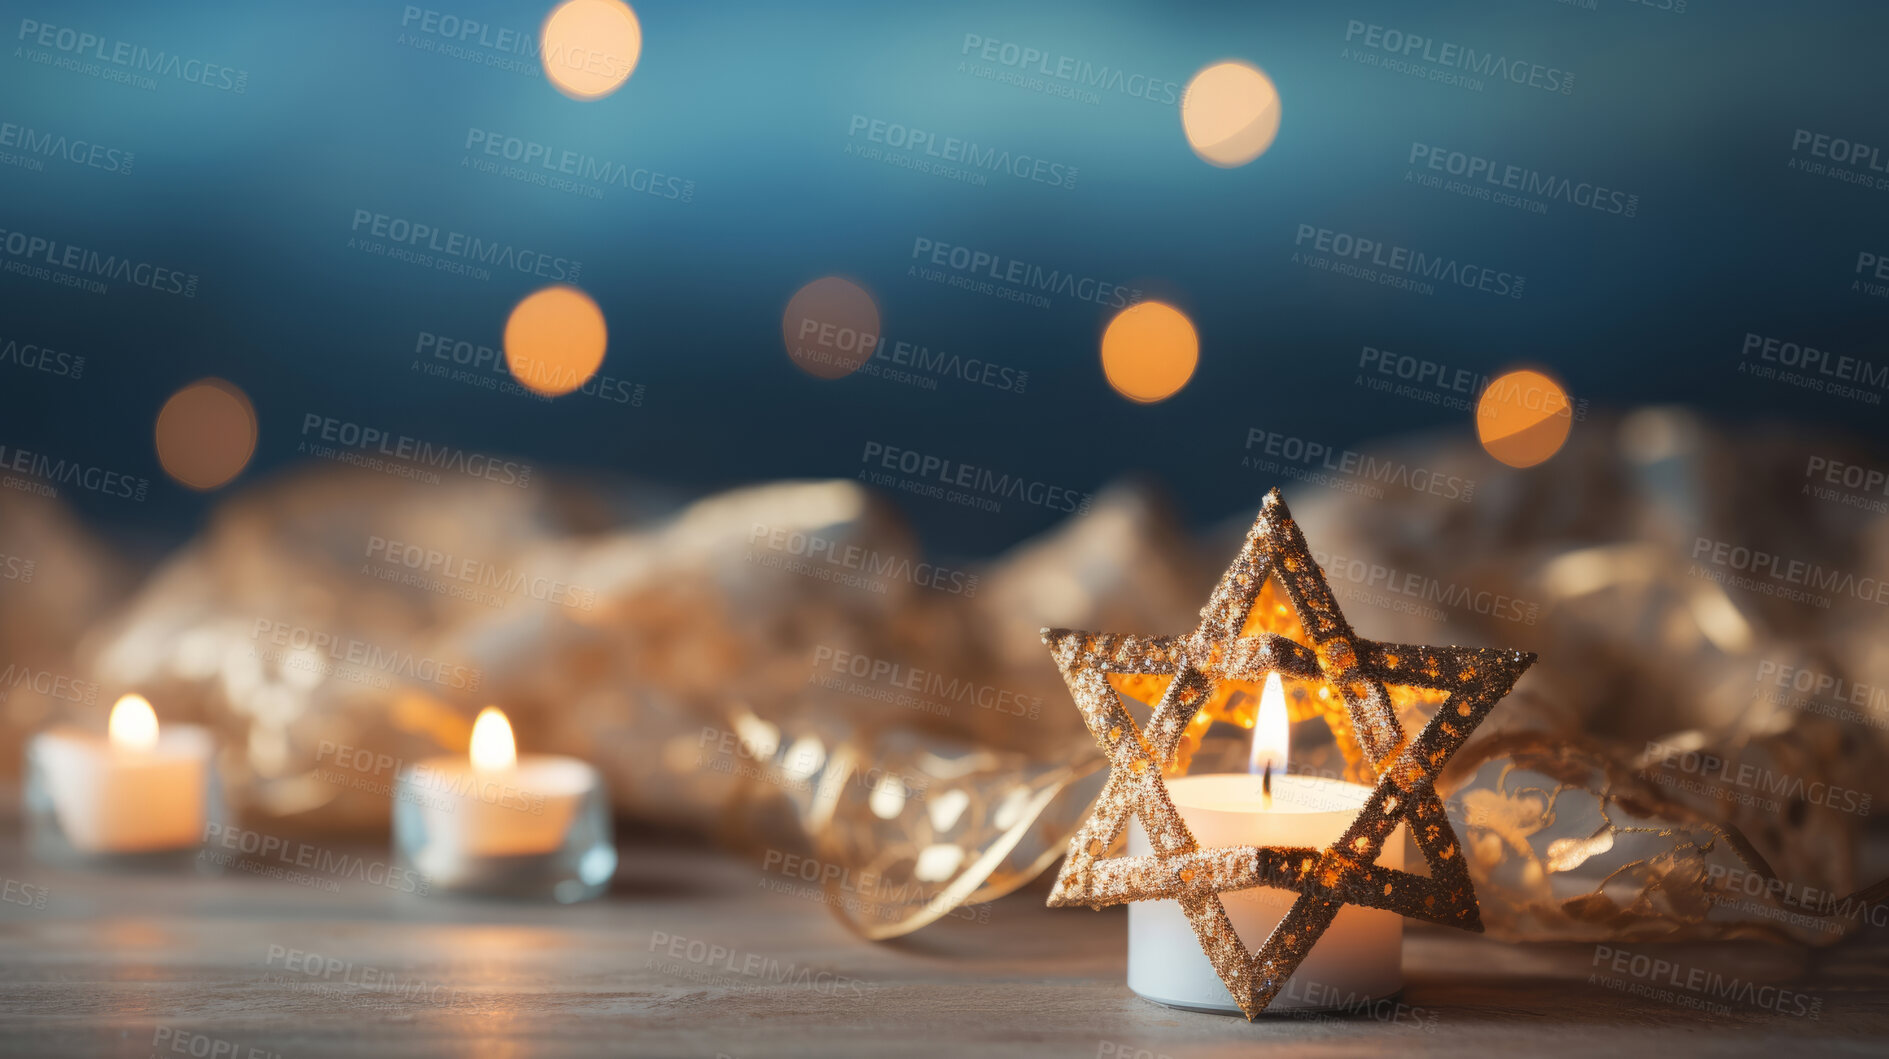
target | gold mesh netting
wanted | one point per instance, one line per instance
(691, 653)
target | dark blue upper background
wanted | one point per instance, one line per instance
(255, 192)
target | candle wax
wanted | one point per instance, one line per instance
(518, 811)
(117, 799)
(1358, 957)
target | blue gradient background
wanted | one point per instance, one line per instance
(255, 192)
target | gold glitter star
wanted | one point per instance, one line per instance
(1197, 665)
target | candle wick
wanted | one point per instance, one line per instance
(1265, 782)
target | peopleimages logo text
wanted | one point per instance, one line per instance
(60, 471)
(1448, 54)
(1839, 150)
(351, 435)
(1697, 985)
(511, 49)
(925, 682)
(1434, 382)
(490, 362)
(1808, 358)
(1026, 59)
(1265, 448)
(1523, 180)
(577, 164)
(1790, 571)
(39, 143)
(1405, 261)
(901, 137)
(46, 682)
(1001, 269)
(85, 262)
(303, 644)
(936, 471)
(427, 237)
(131, 56)
(34, 357)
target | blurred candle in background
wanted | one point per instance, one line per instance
(140, 789)
(493, 822)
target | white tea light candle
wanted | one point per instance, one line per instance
(1358, 958)
(494, 822)
(141, 789)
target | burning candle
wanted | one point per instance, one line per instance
(495, 822)
(141, 789)
(1360, 955)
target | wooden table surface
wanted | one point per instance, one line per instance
(692, 953)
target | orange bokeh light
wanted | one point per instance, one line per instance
(831, 327)
(555, 340)
(1230, 113)
(206, 434)
(590, 47)
(1523, 418)
(1149, 351)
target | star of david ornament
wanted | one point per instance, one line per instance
(1196, 666)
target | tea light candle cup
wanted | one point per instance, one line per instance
(1359, 957)
(139, 794)
(497, 824)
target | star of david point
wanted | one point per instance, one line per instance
(1473, 680)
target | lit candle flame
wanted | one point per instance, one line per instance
(133, 724)
(1272, 733)
(493, 749)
